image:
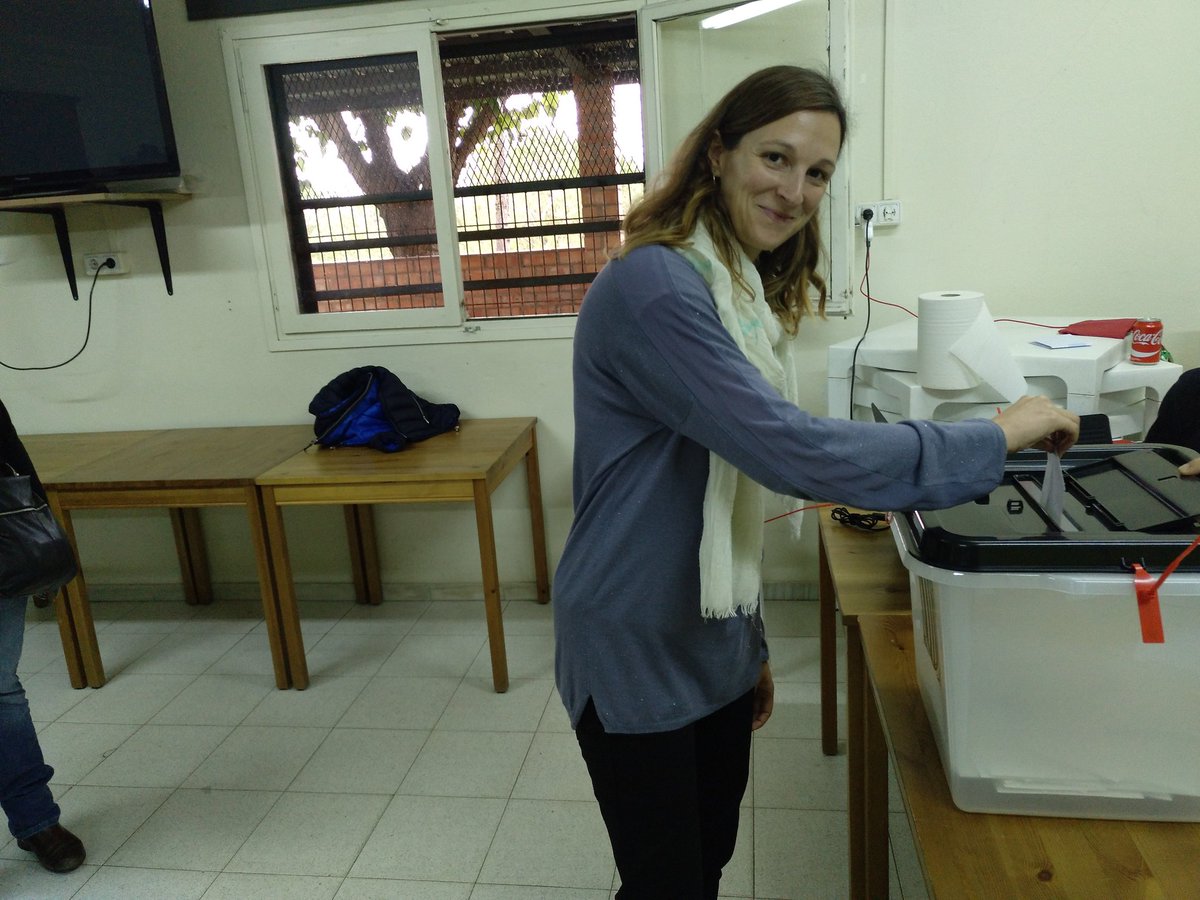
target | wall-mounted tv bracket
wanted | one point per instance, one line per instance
(56, 209)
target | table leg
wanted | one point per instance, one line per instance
(193, 557)
(364, 553)
(284, 593)
(537, 516)
(66, 631)
(875, 795)
(856, 688)
(828, 641)
(75, 623)
(491, 586)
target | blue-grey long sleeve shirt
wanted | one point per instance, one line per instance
(658, 384)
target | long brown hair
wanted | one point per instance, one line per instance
(687, 192)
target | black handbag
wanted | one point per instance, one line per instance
(35, 555)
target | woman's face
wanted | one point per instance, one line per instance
(773, 180)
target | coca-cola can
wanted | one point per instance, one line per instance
(1146, 348)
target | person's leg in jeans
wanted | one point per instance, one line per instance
(24, 776)
(670, 800)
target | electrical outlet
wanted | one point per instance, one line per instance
(94, 261)
(884, 212)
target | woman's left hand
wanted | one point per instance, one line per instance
(764, 698)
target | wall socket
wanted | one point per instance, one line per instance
(885, 212)
(94, 261)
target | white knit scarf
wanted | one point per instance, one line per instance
(731, 547)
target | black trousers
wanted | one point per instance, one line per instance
(670, 800)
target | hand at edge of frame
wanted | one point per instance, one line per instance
(764, 698)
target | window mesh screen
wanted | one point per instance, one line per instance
(539, 199)
(545, 153)
(354, 141)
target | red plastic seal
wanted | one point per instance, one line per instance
(1145, 586)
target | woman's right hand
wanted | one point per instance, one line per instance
(1037, 422)
(1191, 467)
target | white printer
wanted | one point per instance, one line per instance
(1097, 378)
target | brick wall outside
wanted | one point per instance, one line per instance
(481, 303)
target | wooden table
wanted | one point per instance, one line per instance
(182, 470)
(458, 466)
(980, 855)
(53, 454)
(860, 574)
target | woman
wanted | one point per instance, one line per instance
(682, 412)
(24, 776)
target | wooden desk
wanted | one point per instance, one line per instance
(180, 469)
(981, 855)
(462, 466)
(860, 574)
(54, 454)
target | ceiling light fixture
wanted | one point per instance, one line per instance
(744, 12)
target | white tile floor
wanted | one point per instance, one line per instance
(398, 774)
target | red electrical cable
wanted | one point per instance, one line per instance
(876, 299)
(1023, 322)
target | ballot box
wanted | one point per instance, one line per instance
(1053, 688)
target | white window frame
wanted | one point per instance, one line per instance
(249, 45)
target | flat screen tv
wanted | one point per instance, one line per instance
(83, 105)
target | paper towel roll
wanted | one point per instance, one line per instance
(942, 318)
(959, 346)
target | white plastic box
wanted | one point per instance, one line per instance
(1043, 698)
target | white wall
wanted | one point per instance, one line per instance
(1044, 154)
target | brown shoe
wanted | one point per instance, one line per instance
(57, 849)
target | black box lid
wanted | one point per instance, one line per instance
(1123, 503)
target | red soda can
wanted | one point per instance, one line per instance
(1146, 349)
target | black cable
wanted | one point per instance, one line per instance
(873, 521)
(867, 215)
(109, 264)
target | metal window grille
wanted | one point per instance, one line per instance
(539, 192)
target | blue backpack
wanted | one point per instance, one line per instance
(371, 407)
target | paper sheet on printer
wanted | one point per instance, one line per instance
(1053, 489)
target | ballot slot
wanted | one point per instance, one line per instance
(1030, 488)
(1074, 516)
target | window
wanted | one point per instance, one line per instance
(354, 162)
(539, 198)
(536, 156)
